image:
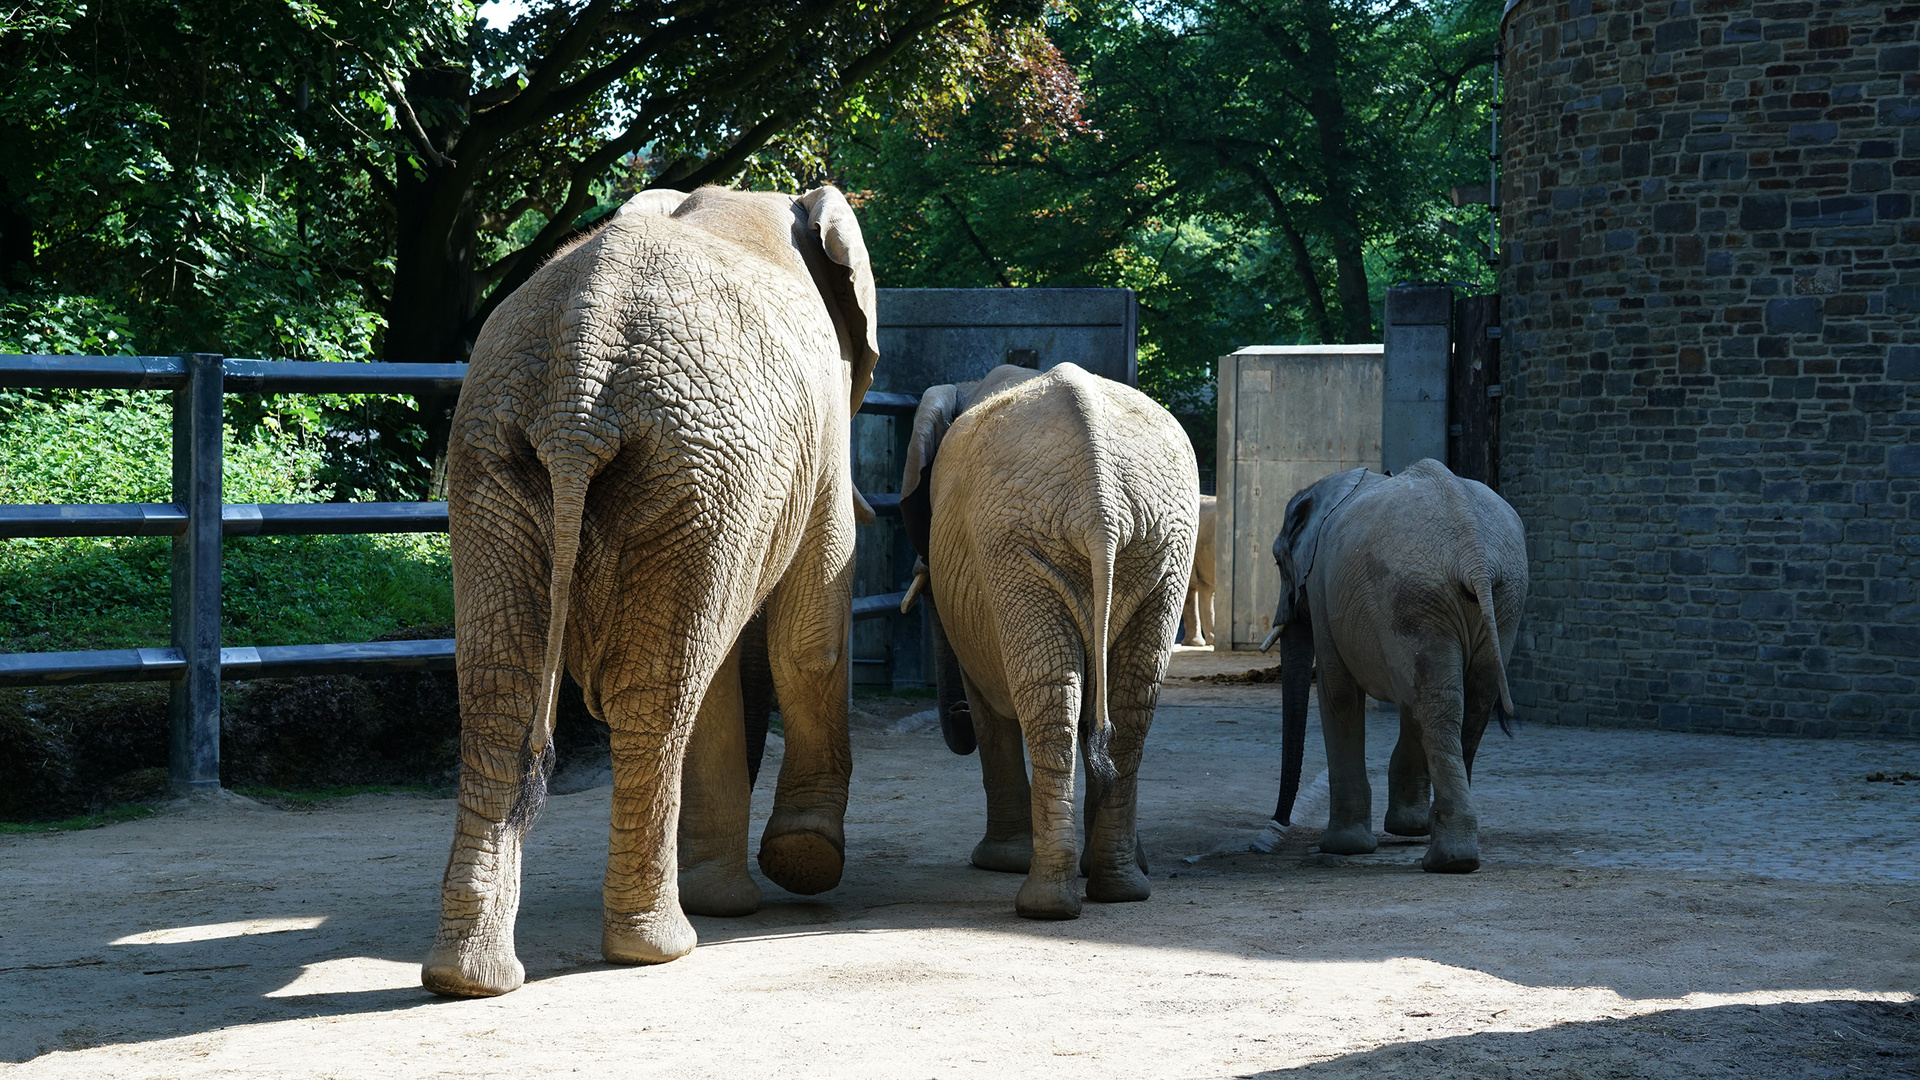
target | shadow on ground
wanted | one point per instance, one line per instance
(1787, 1041)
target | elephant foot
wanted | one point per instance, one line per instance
(1195, 641)
(1005, 856)
(718, 889)
(649, 937)
(1139, 857)
(472, 969)
(1123, 884)
(802, 856)
(1451, 855)
(1349, 840)
(1408, 820)
(1043, 899)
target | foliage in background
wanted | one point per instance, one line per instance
(1256, 170)
(334, 179)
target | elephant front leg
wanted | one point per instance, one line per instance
(1408, 790)
(715, 804)
(1343, 721)
(1008, 844)
(803, 848)
(1455, 844)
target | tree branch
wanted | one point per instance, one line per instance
(409, 123)
(979, 245)
(1302, 259)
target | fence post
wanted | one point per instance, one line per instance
(194, 707)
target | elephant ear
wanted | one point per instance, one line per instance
(848, 283)
(938, 407)
(1299, 540)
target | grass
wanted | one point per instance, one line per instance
(114, 592)
(112, 815)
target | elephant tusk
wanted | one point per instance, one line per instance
(914, 590)
(1267, 645)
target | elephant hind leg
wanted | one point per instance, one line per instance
(1116, 862)
(1454, 847)
(1049, 718)
(661, 653)
(473, 952)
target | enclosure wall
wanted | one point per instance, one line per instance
(1711, 273)
(1289, 415)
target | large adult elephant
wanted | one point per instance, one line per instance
(1407, 589)
(1055, 514)
(652, 445)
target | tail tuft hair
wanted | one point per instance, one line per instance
(532, 796)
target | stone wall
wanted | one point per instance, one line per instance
(1711, 281)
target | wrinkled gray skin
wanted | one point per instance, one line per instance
(1197, 613)
(1405, 589)
(1058, 548)
(651, 445)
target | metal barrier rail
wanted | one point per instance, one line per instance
(197, 520)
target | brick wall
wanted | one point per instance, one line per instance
(1711, 283)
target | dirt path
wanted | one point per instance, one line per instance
(1652, 905)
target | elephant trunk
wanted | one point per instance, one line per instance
(1296, 679)
(956, 719)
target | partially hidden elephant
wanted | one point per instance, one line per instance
(1406, 589)
(652, 446)
(1197, 612)
(1055, 516)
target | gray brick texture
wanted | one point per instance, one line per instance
(1711, 299)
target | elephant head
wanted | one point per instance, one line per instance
(1294, 550)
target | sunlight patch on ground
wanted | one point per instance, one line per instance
(350, 975)
(178, 935)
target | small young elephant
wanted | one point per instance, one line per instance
(1055, 513)
(1405, 589)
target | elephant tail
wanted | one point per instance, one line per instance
(1100, 733)
(1483, 592)
(569, 477)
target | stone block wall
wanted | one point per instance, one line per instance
(1711, 361)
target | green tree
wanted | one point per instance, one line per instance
(1254, 169)
(325, 178)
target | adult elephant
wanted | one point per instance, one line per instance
(1197, 612)
(651, 445)
(1055, 514)
(1408, 589)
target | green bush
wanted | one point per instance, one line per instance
(114, 592)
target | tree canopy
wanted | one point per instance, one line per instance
(1257, 170)
(351, 179)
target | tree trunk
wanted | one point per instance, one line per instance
(1344, 237)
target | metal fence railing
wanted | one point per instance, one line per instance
(197, 519)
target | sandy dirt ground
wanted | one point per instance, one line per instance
(1650, 905)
